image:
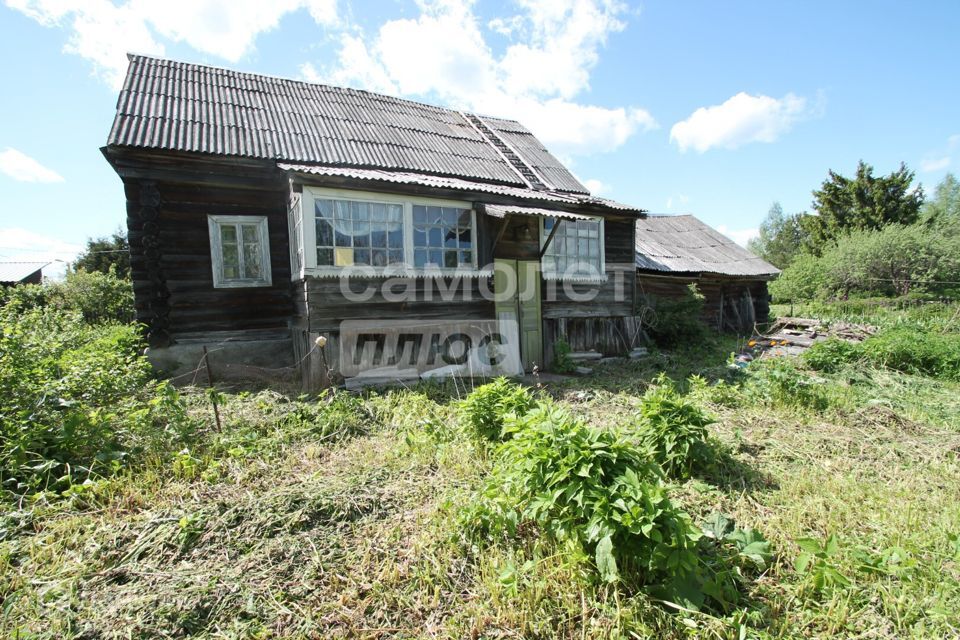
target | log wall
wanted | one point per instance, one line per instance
(730, 304)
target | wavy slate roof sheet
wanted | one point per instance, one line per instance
(403, 177)
(187, 107)
(684, 244)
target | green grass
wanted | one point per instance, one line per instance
(283, 526)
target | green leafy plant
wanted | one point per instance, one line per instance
(817, 560)
(779, 382)
(892, 561)
(721, 392)
(486, 407)
(831, 355)
(728, 554)
(673, 429)
(562, 362)
(589, 487)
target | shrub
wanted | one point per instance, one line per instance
(592, 488)
(77, 400)
(804, 279)
(562, 362)
(895, 260)
(99, 297)
(677, 321)
(486, 407)
(831, 355)
(912, 350)
(672, 429)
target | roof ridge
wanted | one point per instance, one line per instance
(285, 79)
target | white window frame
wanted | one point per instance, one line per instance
(602, 275)
(214, 222)
(308, 236)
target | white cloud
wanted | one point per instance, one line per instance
(23, 168)
(740, 120)
(740, 236)
(935, 164)
(103, 32)
(937, 161)
(98, 31)
(596, 187)
(357, 67)
(18, 244)
(443, 55)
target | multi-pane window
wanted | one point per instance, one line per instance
(442, 237)
(575, 250)
(345, 228)
(350, 232)
(240, 249)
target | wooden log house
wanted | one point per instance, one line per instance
(256, 206)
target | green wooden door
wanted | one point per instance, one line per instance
(521, 278)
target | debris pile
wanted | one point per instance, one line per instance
(792, 336)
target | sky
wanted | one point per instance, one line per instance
(677, 106)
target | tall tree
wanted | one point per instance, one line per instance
(944, 207)
(781, 237)
(863, 202)
(103, 253)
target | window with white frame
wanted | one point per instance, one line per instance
(240, 248)
(576, 249)
(356, 228)
(351, 232)
(442, 237)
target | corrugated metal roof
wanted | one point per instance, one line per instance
(404, 177)
(684, 244)
(187, 107)
(500, 211)
(16, 271)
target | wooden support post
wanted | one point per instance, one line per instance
(213, 396)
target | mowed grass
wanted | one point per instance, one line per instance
(286, 530)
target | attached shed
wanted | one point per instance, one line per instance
(269, 216)
(12, 273)
(674, 252)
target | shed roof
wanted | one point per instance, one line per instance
(684, 244)
(187, 107)
(12, 272)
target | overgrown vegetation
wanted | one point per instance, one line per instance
(562, 361)
(98, 297)
(811, 497)
(676, 321)
(487, 406)
(77, 400)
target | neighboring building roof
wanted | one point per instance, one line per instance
(13, 272)
(193, 108)
(684, 244)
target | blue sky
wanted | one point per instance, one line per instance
(716, 109)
